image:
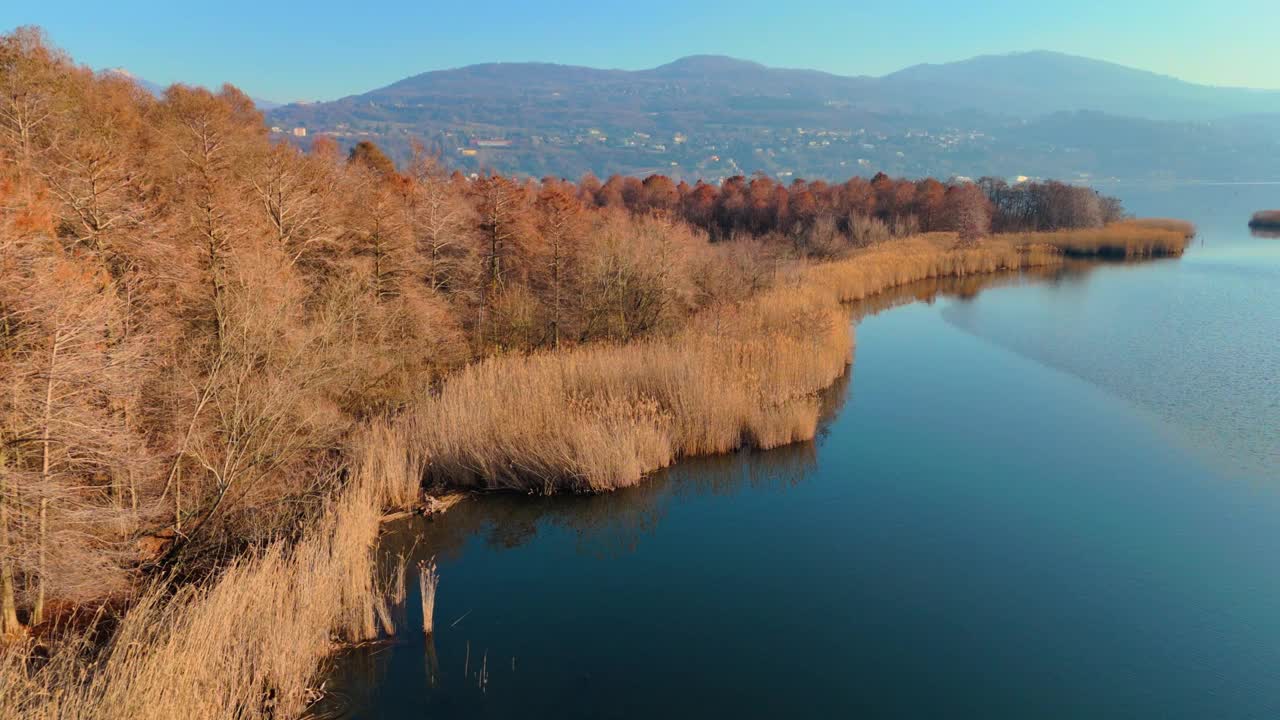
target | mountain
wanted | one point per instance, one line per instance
(1036, 113)
(721, 74)
(1033, 83)
(157, 90)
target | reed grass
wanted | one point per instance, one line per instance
(428, 581)
(252, 643)
(1186, 227)
(1145, 238)
(601, 417)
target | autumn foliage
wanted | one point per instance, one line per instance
(215, 347)
(819, 218)
(195, 320)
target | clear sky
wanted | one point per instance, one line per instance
(321, 50)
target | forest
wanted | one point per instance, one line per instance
(207, 339)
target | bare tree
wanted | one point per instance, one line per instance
(296, 195)
(504, 228)
(562, 224)
(66, 448)
(442, 223)
(969, 210)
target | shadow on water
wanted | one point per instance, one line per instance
(614, 523)
(1070, 272)
(606, 526)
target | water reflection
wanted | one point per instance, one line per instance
(1259, 232)
(583, 539)
(1070, 272)
(610, 524)
(614, 524)
(604, 526)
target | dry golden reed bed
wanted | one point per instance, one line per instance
(254, 642)
(1151, 237)
(251, 644)
(600, 417)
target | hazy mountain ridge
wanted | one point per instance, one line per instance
(710, 116)
(1019, 83)
(157, 89)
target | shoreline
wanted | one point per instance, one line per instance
(624, 411)
(661, 399)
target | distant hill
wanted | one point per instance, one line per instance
(1036, 113)
(157, 89)
(1035, 83)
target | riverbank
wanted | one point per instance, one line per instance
(254, 642)
(974, 486)
(1129, 239)
(601, 417)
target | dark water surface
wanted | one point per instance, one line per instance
(1053, 498)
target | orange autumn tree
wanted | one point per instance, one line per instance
(562, 225)
(506, 230)
(969, 211)
(224, 312)
(71, 466)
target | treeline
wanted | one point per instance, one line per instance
(194, 319)
(825, 218)
(1049, 206)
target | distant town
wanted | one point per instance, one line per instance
(784, 154)
(713, 118)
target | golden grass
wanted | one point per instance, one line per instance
(253, 642)
(1186, 227)
(601, 417)
(1151, 237)
(428, 581)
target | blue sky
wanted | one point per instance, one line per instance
(323, 49)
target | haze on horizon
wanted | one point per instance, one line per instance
(277, 52)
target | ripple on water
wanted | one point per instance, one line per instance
(1197, 342)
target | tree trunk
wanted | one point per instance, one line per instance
(555, 313)
(37, 611)
(177, 500)
(8, 600)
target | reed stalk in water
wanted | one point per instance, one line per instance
(428, 580)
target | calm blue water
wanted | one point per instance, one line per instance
(1058, 498)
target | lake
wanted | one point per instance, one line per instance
(1049, 496)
